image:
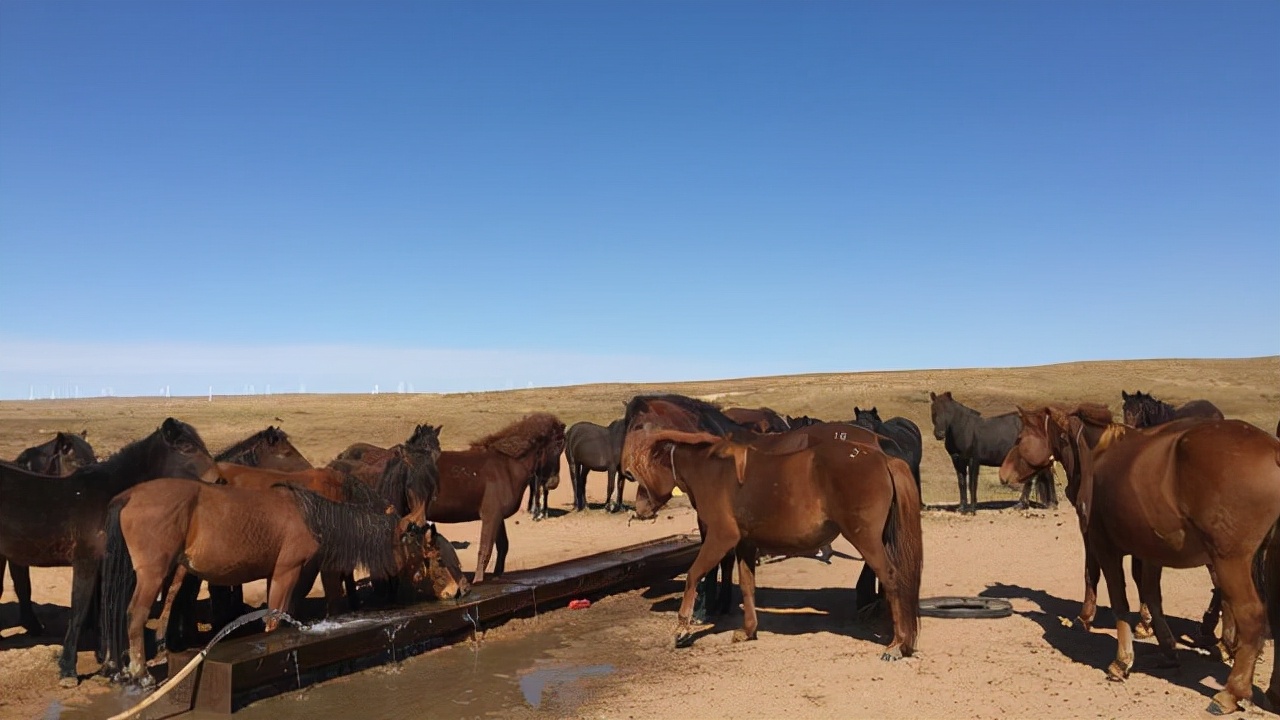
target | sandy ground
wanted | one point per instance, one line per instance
(813, 658)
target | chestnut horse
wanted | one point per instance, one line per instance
(410, 488)
(55, 522)
(230, 535)
(58, 457)
(1182, 494)
(792, 498)
(487, 481)
(1142, 410)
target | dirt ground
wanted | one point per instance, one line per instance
(813, 658)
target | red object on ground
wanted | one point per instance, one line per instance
(579, 604)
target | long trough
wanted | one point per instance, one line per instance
(244, 670)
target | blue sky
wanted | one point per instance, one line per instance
(458, 195)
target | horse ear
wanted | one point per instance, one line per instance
(84, 433)
(170, 430)
(932, 396)
(1124, 395)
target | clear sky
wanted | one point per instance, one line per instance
(474, 195)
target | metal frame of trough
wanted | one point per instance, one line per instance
(240, 671)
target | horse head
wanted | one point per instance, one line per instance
(432, 564)
(941, 409)
(869, 419)
(186, 454)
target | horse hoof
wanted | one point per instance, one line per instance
(1116, 672)
(891, 655)
(1142, 632)
(742, 636)
(1222, 704)
(69, 682)
(684, 639)
(1086, 624)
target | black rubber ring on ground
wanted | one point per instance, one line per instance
(965, 607)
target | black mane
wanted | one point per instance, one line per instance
(707, 415)
(350, 535)
(245, 452)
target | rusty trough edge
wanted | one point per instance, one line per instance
(241, 671)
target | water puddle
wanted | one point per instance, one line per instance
(560, 680)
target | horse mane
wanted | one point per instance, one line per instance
(528, 434)
(1094, 414)
(1112, 433)
(707, 416)
(407, 481)
(350, 535)
(248, 447)
(136, 452)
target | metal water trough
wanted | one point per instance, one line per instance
(240, 671)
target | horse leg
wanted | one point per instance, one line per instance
(1024, 501)
(150, 579)
(1149, 592)
(1092, 571)
(501, 562)
(349, 589)
(1235, 576)
(609, 504)
(710, 554)
(747, 583)
(1143, 629)
(724, 594)
(961, 468)
(182, 597)
(1048, 490)
(21, 575)
(84, 580)
(870, 545)
(285, 590)
(488, 531)
(332, 584)
(974, 469)
(865, 590)
(1112, 564)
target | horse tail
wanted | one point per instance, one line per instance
(904, 547)
(118, 583)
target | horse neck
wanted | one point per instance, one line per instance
(133, 464)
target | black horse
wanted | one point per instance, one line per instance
(56, 522)
(58, 457)
(1142, 410)
(973, 441)
(588, 447)
(899, 429)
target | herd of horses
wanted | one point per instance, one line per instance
(1169, 486)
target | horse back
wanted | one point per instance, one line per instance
(1198, 409)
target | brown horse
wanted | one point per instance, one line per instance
(1142, 410)
(487, 482)
(230, 535)
(791, 494)
(1182, 494)
(761, 420)
(58, 457)
(269, 449)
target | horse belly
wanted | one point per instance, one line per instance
(777, 519)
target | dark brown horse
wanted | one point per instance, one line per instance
(487, 482)
(791, 494)
(230, 535)
(761, 420)
(1182, 494)
(55, 522)
(1142, 410)
(413, 486)
(58, 457)
(269, 449)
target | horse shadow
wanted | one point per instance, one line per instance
(1057, 619)
(785, 611)
(983, 505)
